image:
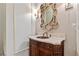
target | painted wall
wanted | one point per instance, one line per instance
(66, 20)
(70, 43)
(77, 28)
(19, 26)
(22, 26)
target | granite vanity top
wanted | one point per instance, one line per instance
(52, 40)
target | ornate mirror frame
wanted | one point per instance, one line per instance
(53, 23)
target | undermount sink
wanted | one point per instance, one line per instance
(42, 37)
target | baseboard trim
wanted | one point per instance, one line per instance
(21, 50)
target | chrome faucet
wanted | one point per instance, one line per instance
(45, 34)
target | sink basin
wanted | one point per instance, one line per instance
(42, 37)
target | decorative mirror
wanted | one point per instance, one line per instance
(48, 16)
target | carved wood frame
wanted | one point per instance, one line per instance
(53, 23)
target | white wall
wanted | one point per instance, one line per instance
(19, 25)
(18, 28)
(70, 43)
(65, 19)
(22, 26)
(77, 29)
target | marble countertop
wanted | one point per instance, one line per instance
(52, 40)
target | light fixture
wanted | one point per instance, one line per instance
(68, 6)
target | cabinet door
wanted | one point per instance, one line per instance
(44, 49)
(44, 52)
(33, 48)
(57, 50)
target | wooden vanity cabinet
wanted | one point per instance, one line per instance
(45, 49)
